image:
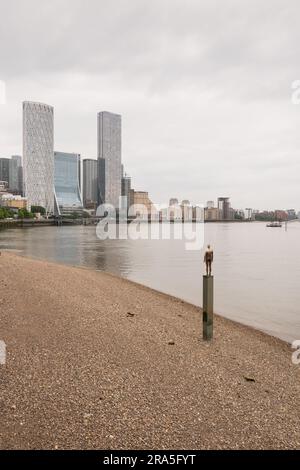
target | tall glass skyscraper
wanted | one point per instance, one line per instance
(67, 183)
(11, 172)
(17, 162)
(38, 155)
(109, 158)
(90, 183)
(5, 170)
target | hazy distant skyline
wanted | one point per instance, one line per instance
(203, 87)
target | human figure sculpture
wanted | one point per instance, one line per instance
(208, 259)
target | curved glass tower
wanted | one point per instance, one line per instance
(38, 158)
(67, 183)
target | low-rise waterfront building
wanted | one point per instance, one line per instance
(211, 214)
(12, 201)
(281, 215)
(3, 186)
(291, 213)
(143, 205)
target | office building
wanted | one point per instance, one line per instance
(109, 158)
(38, 155)
(17, 162)
(90, 183)
(67, 195)
(126, 188)
(5, 170)
(11, 172)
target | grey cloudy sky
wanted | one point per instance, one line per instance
(204, 89)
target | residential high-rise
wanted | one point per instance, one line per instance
(38, 154)
(225, 212)
(248, 213)
(109, 158)
(185, 202)
(90, 183)
(173, 201)
(67, 194)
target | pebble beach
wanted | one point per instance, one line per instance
(95, 361)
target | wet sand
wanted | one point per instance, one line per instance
(98, 362)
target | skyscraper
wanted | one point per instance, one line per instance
(17, 163)
(11, 172)
(126, 188)
(67, 193)
(38, 154)
(90, 184)
(4, 170)
(109, 158)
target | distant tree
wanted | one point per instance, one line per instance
(5, 213)
(74, 215)
(264, 216)
(36, 209)
(24, 214)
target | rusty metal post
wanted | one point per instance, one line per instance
(208, 307)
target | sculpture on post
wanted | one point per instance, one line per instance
(208, 259)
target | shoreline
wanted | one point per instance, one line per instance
(138, 284)
(91, 364)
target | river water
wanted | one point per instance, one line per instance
(256, 269)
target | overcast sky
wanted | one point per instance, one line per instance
(204, 89)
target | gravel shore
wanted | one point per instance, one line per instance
(98, 362)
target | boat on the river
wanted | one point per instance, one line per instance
(274, 224)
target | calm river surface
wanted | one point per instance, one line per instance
(256, 269)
